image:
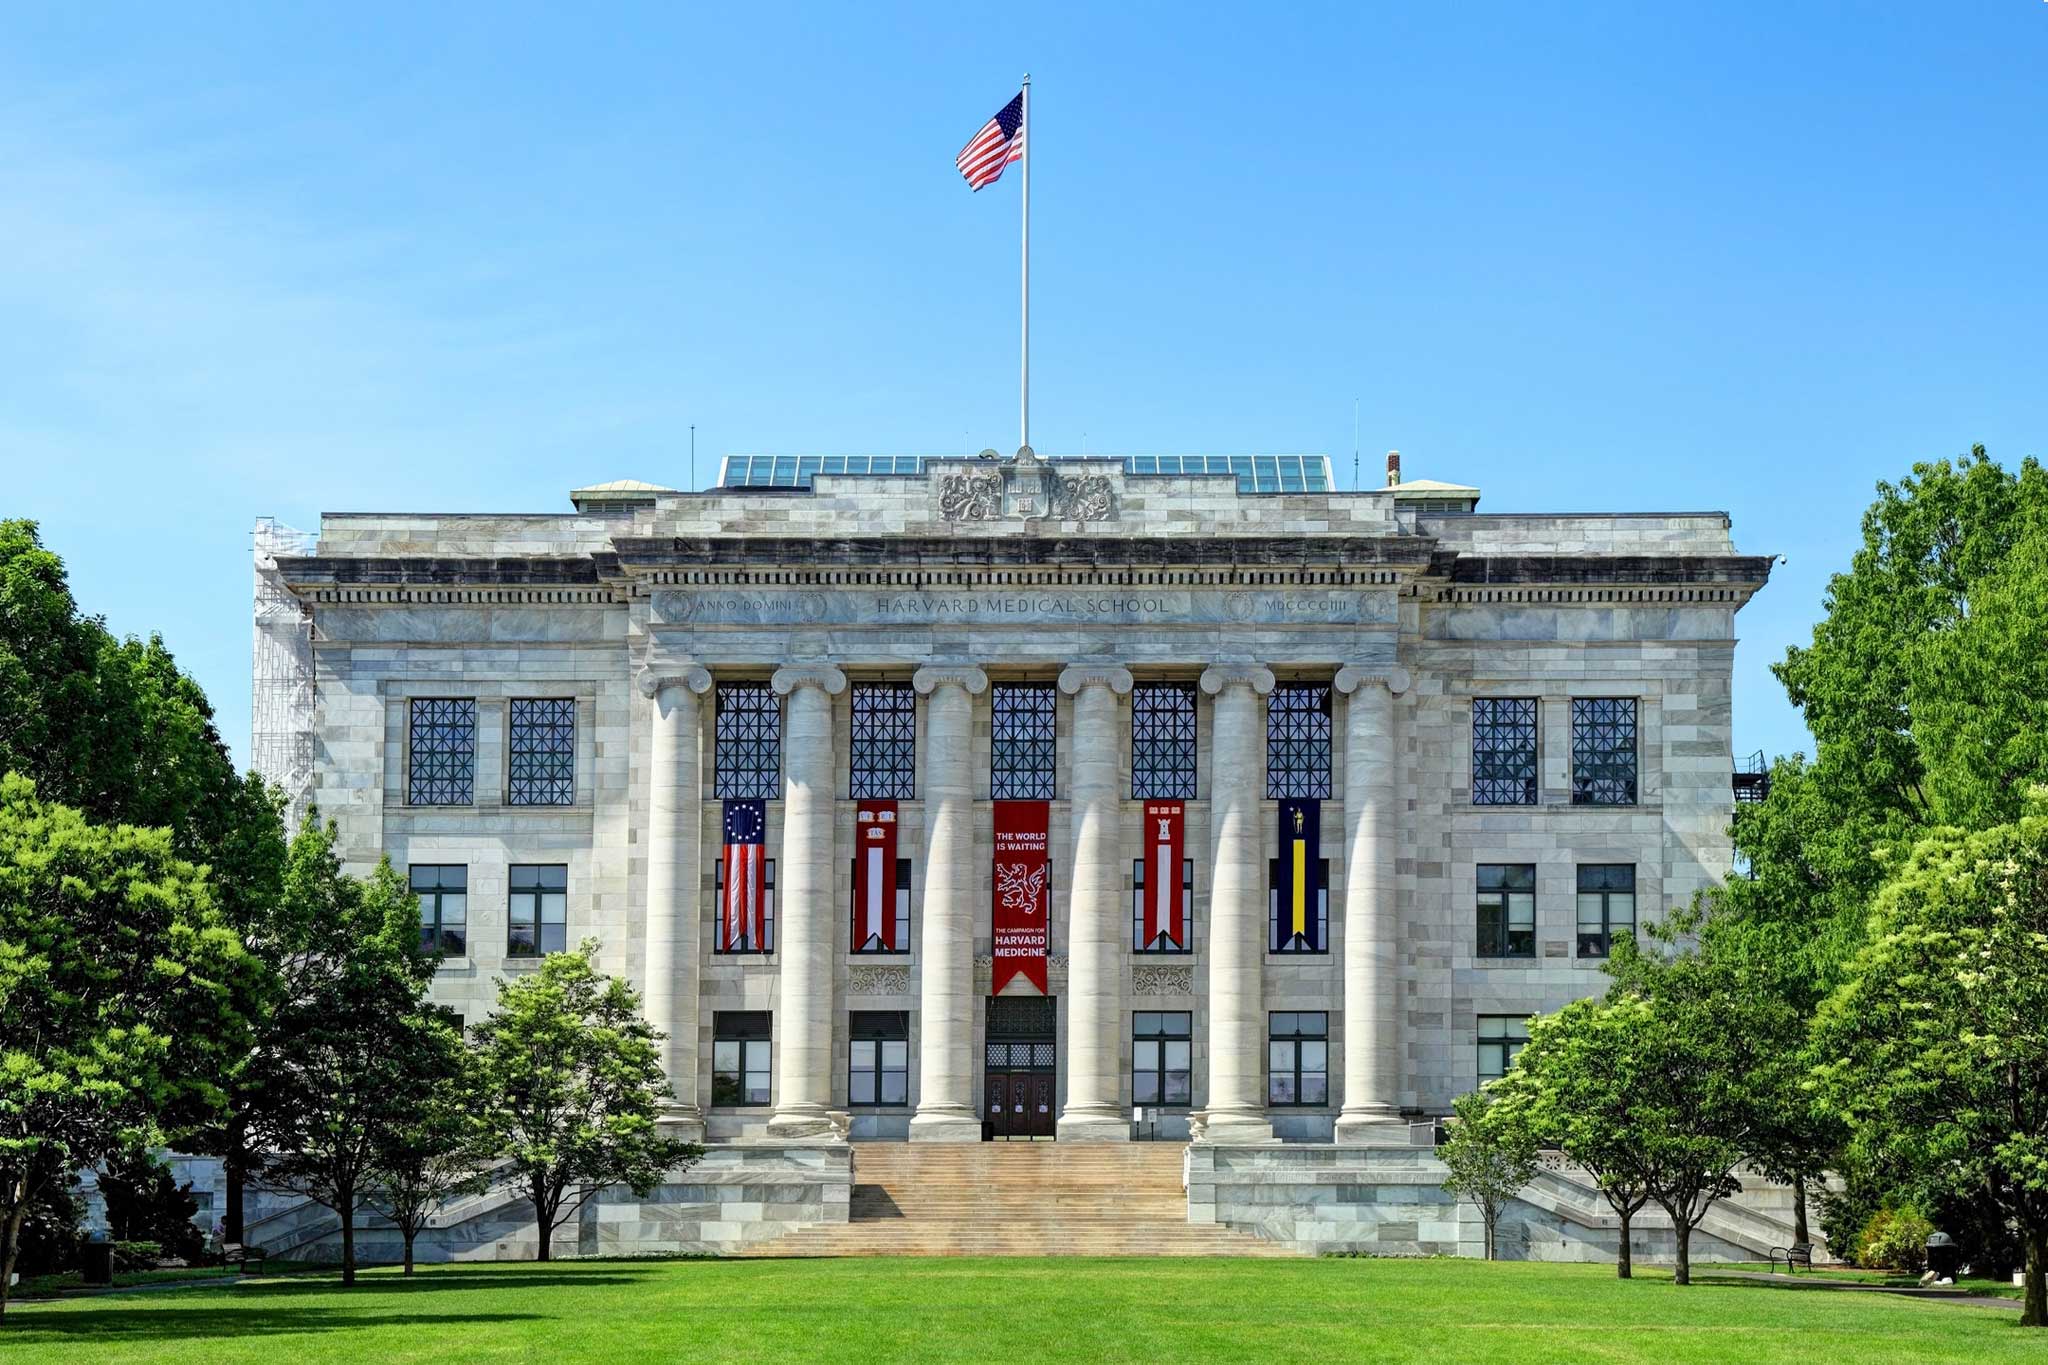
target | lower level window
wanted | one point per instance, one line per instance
(539, 917)
(1607, 905)
(1507, 910)
(1162, 1066)
(1501, 1039)
(1298, 1057)
(878, 1066)
(741, 1049)
(443, 890)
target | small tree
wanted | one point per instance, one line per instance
(571, 1084)
(1577, 1083)
(1491, 1153)
(1936, 1046)
(435, 1153)
(350, 1061)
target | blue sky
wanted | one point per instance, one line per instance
(1738, 257)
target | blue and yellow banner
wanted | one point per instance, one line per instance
(1301, 829)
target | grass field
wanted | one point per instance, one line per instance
(854, 1310)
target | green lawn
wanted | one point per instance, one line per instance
(855, 1310)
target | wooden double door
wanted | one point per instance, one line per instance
(1020, 1082)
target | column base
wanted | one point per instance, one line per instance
(802, 1125)
(682, 1122)
(945, 1125)
(1373, 1130)
(1248, 1128)
(1093, 1126)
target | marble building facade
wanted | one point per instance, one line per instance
(527, 707)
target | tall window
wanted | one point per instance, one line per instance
(878, 1065)
(1023, 750)
(1501, 1039)
(542, 766)
(539, 918)
(1503, 751)
(1280, 937)
(441, 752)
(443, 889)
(884, 763)
(742, 1052)
(1607, 905)
(865, 941)
(1162, 1062)
(1143, 937)
(1603, 751)
(1298, 1057)
(1298, 741)
(745, 942)
(1163, 742)
(1507, 910)
(747, 755)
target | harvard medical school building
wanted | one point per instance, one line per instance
(952, 799)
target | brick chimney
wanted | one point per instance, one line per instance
(1393, 468)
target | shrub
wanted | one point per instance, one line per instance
(49, 1231)
(137, 1255)
(145, 1203)
(1895, 1239)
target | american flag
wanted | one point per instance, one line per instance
(740, 919)
(1000, 141)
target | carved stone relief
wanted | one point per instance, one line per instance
(1152, 979)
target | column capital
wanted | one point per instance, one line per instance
(932, 677)
(1393, 677)
(824, 677)
(1115, 677)
(693, 676)
(1257, 677)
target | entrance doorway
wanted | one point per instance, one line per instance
(1020, 1088)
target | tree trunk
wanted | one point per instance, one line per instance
(231, 1227)
(1491, 1216)
(10, 1239)
(1800, 1236)
(1682, 1272)
(1624, 1260)
(543, 1221)
(410, 1233)
(2034, 1312)
(348, 1241)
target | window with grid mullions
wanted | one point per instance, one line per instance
(441, 752)
(1298, 742)
(542, 753)
(1163, 742)
(1603, 751)
(884, 742)
(1503, 751)
(1023, 752)
(747, 756)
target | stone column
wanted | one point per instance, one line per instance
(1097, 919)
(1372, 968)
(946, 1109)
(671, 916)
(804, 903)
(1237, 905)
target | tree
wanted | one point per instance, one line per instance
(1576, 1083)
(1936, 1045)
(435, 1152)
(117, 973)
(350, 1058)
(571, 1084)
(1491, 1154)
(145, 1203)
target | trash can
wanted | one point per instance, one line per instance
(1943, 1255)
(96, 1261)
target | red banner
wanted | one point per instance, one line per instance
(874, 877)
(1022, 892)
(1165, 908)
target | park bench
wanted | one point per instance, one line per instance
(241, 1257)
(1799, 1253)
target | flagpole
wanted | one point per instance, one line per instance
(1024, 365)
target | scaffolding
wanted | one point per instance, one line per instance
(281, 696)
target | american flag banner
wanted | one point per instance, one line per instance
(1000, 141)
(741, 926)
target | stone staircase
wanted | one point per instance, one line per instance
(1017, 1199)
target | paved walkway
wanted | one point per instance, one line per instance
(1945, 1294)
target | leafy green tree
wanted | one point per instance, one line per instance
(1576, 1083)
(119, 982)
(1491, 1154)
(571, 1085)
(349, 1057)
(1936, 1045)
(437, 1151)
(145, 1203)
